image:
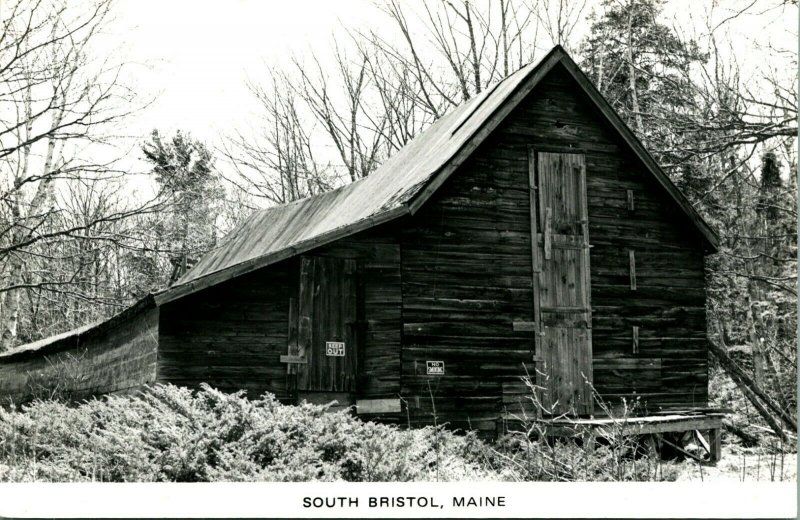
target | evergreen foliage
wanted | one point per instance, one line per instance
(172, 434)
(184, 168)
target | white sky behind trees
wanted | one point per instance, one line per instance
(193, 57)
(197, 55)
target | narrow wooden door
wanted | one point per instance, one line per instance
(326, 332)
(561, 284)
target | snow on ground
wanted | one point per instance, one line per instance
(743, 465)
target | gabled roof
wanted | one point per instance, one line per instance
(399, 187)
(279, 232)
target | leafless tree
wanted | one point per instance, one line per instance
(57, 100)
(356, 143)
(325, 126)
(559, 19)
(454, 50)
(276, 161)
(305, 109)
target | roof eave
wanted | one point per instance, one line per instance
(705, 230)
(216, 277)
(559, 55)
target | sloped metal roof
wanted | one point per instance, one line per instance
(276, 233)
(386, 190)
(402, 183)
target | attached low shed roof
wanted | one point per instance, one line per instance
(399, 187)
(67, 340)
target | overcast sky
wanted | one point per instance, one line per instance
(196, 55)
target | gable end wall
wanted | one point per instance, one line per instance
(466, 264)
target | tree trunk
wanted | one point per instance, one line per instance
(601, 67)
(632, 74)
(11, 305)
(476, 64)
(504, 35)
(752, 391)
(748, 438)
(755, 344)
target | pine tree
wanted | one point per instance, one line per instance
(641, 66)
(184, 167)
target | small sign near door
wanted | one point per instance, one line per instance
(334, 348)
(435, 368)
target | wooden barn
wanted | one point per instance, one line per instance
(528, 231)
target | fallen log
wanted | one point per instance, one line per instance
(762, 410)
(745, 381)
(747, 438)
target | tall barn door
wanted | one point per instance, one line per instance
(561, 282)
(326, 325)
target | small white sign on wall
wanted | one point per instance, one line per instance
(334, 348)
(435, 368)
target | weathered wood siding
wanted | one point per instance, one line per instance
(466, 272)
(232, 335)
(467, 276)
(377, 252)
(115, 360)
(668, 302)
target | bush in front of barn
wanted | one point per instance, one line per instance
(170, 433)
(173, 434)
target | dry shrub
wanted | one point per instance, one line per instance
(615, 452)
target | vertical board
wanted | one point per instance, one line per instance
(292, 335)
(564, 313)
(327, 314)
(538, 354)
(378, 311)
(305, 303)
